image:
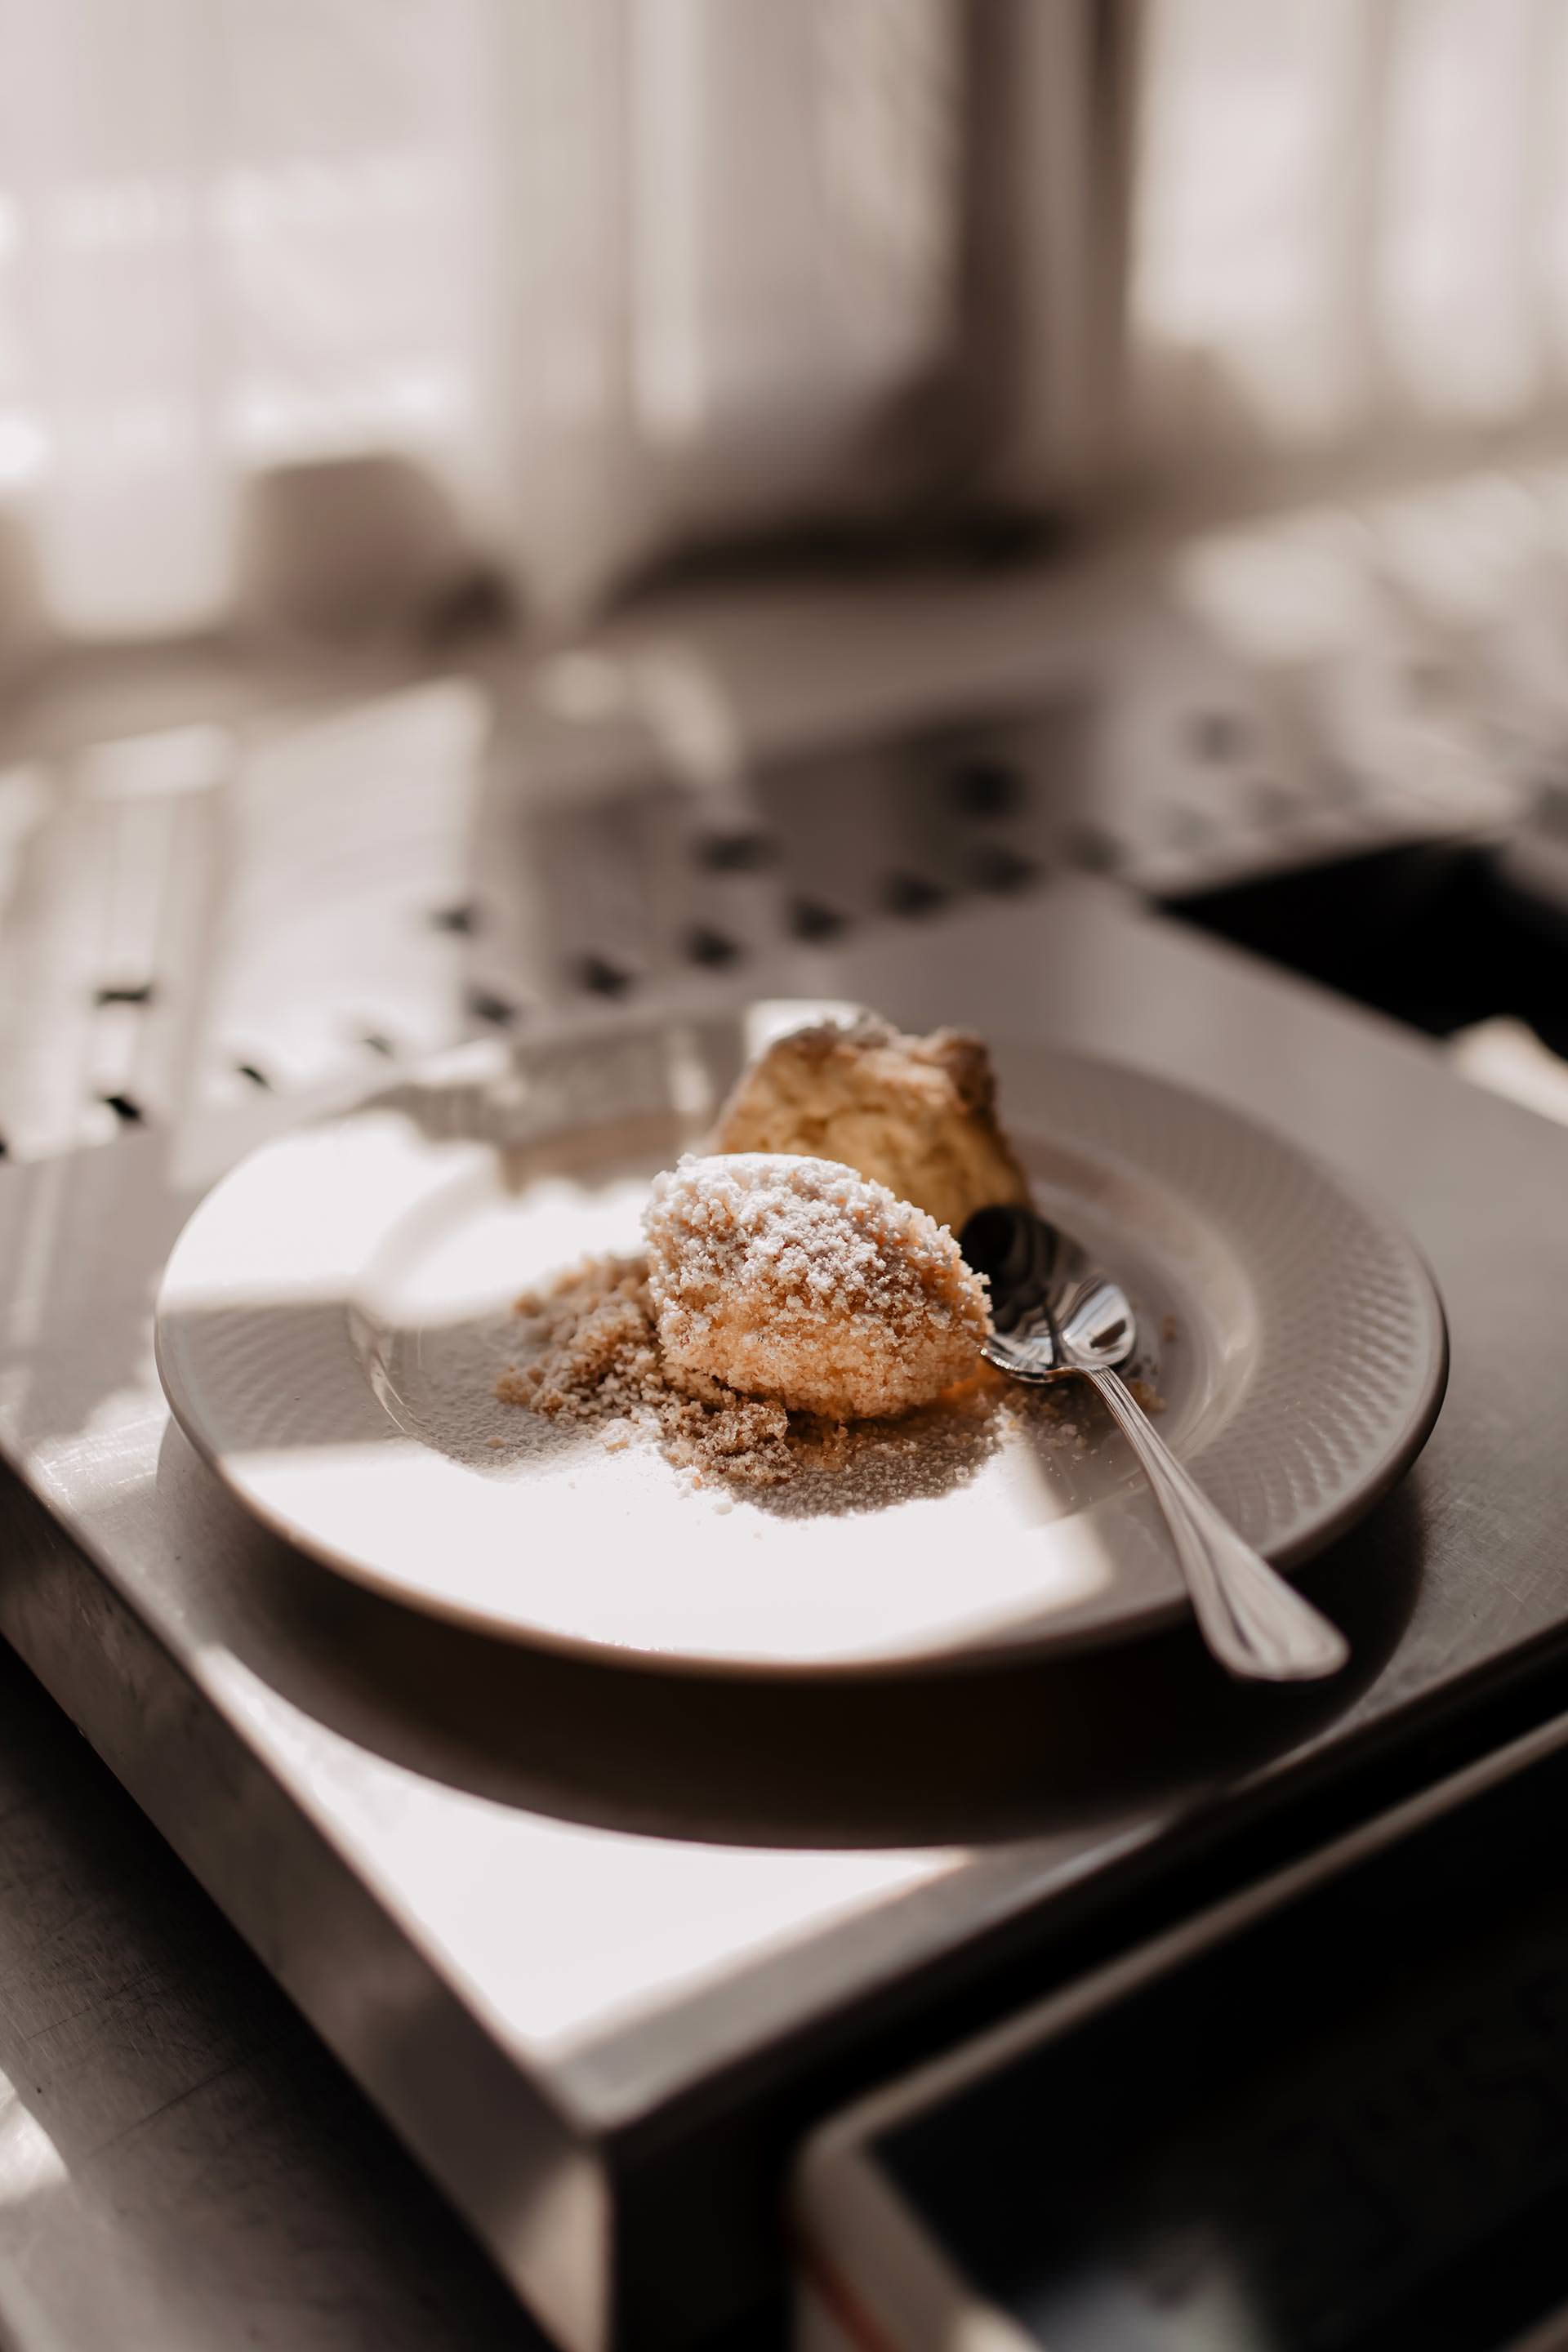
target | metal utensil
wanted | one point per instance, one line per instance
(1054, 1313)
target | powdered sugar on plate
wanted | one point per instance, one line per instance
(589, 1362)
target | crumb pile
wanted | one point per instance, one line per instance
(916, 1114)
(595, 1362)
(796, 1279)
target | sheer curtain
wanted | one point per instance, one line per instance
(306, 303)
(556, 280)
(1352, 224)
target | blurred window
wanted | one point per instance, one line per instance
(610, 270)
(1351, 222)
(608, 277)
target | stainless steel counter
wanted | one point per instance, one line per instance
(596, 1942)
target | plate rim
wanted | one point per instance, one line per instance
(1368, 1203)
(1152, 1616)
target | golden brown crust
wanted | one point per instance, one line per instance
(916, 1114)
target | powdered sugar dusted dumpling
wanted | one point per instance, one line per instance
(795, 1279)
(916, 1114)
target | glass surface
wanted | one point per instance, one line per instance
(1347, 2128)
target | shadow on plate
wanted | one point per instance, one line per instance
(994, 1752)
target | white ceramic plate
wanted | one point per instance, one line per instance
(333, 1318)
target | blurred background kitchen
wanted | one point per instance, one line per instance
(511, 505)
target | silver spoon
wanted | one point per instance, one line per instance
(1053, 1313)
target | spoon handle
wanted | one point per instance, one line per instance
(1256, 1624)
